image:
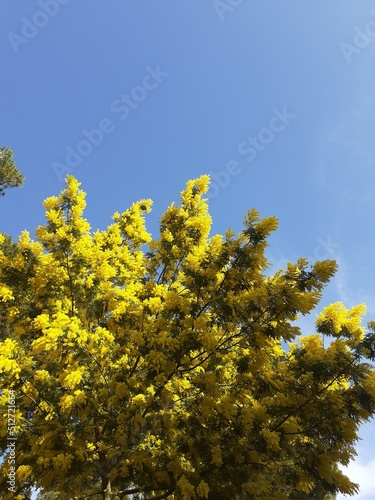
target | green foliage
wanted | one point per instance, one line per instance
(9, 174)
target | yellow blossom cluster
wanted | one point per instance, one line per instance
(171, 366)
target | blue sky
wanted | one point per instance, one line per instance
(274, 99)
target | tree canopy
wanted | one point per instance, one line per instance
(9, 174)
(172, 367)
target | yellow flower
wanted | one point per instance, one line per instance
(6, 293)
(203, 490)
(73, 378)
(186, 489)
(67, 403)
(139, 399)
(80, 397)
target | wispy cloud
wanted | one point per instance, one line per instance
(364, 475)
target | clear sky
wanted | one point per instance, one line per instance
(274, 99)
